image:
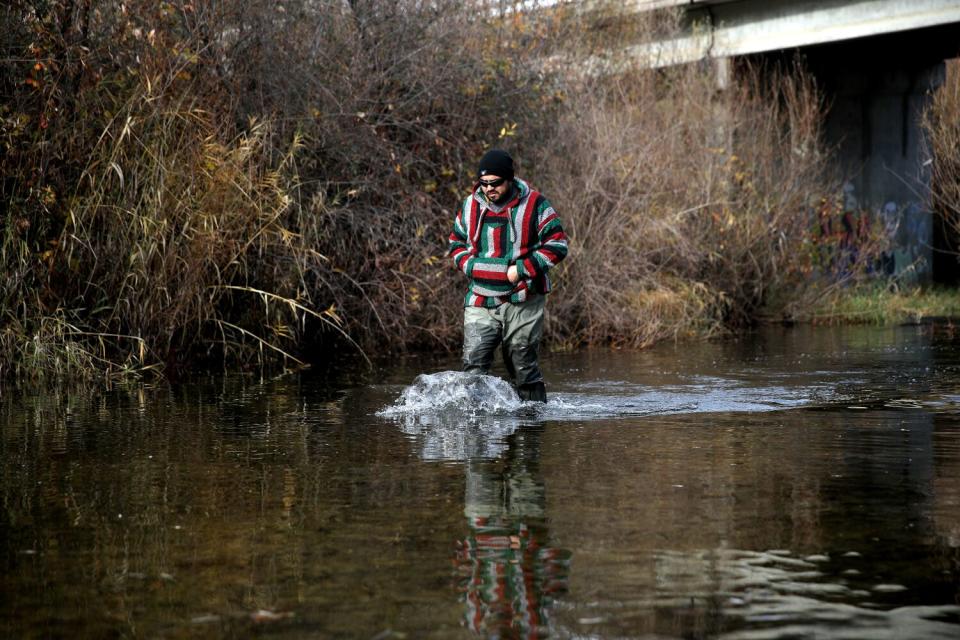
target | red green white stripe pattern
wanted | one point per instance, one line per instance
(485, 242)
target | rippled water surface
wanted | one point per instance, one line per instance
(796, 483)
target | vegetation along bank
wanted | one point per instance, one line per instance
(187, 184)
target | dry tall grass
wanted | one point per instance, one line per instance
(941, 123)
(696, 209)
(190, 182)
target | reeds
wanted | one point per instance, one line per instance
(696, 209)
(941, 124)
(256, 182)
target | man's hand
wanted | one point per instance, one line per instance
(512, 274)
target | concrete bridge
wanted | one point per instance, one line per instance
(877, 62)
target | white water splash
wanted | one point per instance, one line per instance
(459, 416)
(453, 396)
(454, 393)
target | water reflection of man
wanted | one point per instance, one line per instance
(507, 573)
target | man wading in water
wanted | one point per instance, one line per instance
(505, 238)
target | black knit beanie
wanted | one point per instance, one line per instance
(496, 162)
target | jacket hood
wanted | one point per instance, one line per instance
(521, 190)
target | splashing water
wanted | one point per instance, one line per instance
(459, 416)
(451, 396)
(457, 393)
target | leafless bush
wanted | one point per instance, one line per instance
(188, 180)
(693, 208)
(234, 177)
(941, 123)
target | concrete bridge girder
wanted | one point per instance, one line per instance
(720, 28)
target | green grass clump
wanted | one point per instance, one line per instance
(879, 304)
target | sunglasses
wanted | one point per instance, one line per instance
(489, 184)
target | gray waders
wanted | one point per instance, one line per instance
(517, 329)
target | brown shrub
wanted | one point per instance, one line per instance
(695, 209)
(207, 180)
(941, 124)
(195, 179)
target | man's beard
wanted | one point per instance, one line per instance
(498, 197)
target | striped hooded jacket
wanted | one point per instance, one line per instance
(487, 239)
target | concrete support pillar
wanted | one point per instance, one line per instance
(875, 121)
(722, 73)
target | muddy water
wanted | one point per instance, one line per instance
(797, 483)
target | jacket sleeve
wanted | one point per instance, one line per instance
(458, 246)
(552, 241)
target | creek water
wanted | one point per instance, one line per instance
(794, 483)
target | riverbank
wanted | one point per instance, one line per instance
(209, 213)
(879, 304)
